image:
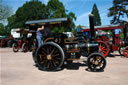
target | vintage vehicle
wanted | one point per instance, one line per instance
(15, 35)
(17, 44)
(5, 40)
(123, 46)
(107, 45)
(59, 49)
(30, 42)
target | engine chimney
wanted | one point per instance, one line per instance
(91, 22)
(125, 31)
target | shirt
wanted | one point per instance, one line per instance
(117, 31)
(39, 33)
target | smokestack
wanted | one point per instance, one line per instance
(91, 22)
(125, 31)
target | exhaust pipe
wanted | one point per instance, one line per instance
(125, 31)
(91, 22)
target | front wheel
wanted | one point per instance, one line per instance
(96, 62)
(15, 47)
(126, 52)
(25, 47)
(121, 50)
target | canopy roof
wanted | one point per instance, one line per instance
(47, 21)
(107, 27)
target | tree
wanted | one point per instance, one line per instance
(118, 11)
(56, 9)
(5, 11)
(35, 10)
(11, 24)
(72, 18)
(95, 12)
(32, 10)
(2, 30)
(11, 21)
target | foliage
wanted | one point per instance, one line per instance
(95, 12)
(32, 10)
(72, 18)
(76, 28)
(56, 9)
(2, 30)
(11, 21)
(58, 30)
(118, 11)
(35, 10)
(5, 11)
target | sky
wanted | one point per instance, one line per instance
(81, 8)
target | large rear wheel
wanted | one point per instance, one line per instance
(49, 57)
(96, 62)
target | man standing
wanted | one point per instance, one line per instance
(39, 35)
(117, 35)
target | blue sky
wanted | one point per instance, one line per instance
(81, 8)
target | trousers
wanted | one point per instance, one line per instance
(40, 41)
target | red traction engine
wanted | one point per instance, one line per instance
(123, 48)
(106, 45)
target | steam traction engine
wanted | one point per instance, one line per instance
(57, 50)
(123, 45)
(106, 45)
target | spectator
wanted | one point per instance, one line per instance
(117, 35)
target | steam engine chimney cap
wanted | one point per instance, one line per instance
(91, 15)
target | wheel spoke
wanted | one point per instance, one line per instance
(52, 51)
(54, 64)
(55, 55)
(103, 48)
(44, 49)
(43, 53)
(56, 51)
(51, 65)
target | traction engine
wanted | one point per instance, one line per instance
(53, 54)
(123, 49)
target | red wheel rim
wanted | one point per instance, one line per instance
(103, 48)
(126, 52)
(19, 42)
